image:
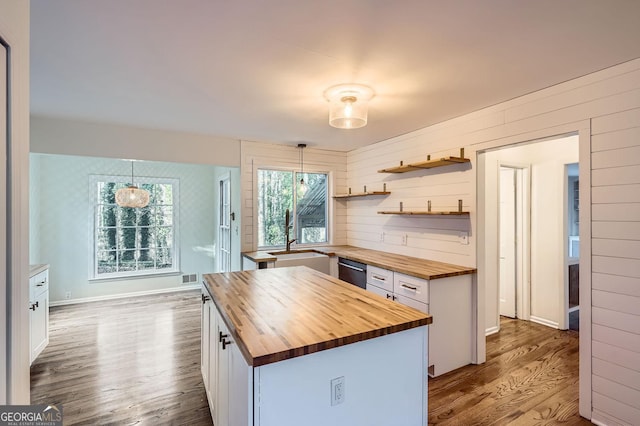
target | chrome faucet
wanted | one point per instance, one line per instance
(287, 226)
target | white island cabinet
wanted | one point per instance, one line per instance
(38, 310)
(293, 346)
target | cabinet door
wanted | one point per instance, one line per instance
(39, 324)
(213, 347)
(222, 394)
(415, 304)
(379, 291)
(205, 322)
(240, 387)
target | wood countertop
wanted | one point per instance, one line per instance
(421, 268)
(281, 313)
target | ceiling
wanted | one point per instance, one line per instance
(257, 70)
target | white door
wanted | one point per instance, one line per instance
(224, 235)
(3, 212)
(507, 232)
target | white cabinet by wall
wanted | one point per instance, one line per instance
(38, 313)
(448, 300)
(225, 373)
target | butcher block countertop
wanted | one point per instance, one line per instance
(280, 313)
(421, 268)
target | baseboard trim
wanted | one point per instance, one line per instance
(124, 295)
(544, 321)
(492, 330)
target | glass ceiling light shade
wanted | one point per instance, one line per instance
(348, 105)
(132, 196)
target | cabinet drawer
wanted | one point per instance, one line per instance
(380, 277)
(411, 287)
(39, 283)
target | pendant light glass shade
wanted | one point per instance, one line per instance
(303, 186)
(348, 105)
(132, 196)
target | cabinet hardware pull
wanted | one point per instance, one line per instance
(225, 343)
(41, 283)
(409, 287)
(37, 303)
(379, 278)
(221, 336)
(33, 307)
(350, 267)
(205, 298)
(389, 296)
(394, 298)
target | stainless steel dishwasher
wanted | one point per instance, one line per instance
(352, 272)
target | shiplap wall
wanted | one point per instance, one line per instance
(255, 155)
(611, 100)
(615, 197)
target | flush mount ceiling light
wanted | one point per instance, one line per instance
(132, 196)
(348, 105)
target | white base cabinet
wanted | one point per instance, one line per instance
(38, 313)
(448, 300)
(225, 373)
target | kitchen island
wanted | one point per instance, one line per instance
(291, 346)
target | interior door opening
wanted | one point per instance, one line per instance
(514, 210)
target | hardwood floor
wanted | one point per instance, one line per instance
(137, 360)
(530, 378)
(126, 361)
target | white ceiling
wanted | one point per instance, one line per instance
(257, 69)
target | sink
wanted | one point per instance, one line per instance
(312, 259)
(297, 255)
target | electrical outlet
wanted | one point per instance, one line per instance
(67, 295)
(463, 237)
(337, 390)
(404, 239)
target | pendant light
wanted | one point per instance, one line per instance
(132, 196)
(303, 187)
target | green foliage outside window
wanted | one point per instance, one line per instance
(276, 194)
(134, 240)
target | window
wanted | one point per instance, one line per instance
(308, 209)
(128, 241)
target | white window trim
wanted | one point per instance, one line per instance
(93, 181)
(329, 211)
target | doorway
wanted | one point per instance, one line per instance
(531, 246)
(514, 260)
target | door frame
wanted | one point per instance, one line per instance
(226, 177)
(523, 229)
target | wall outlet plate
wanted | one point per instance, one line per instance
(463, 237)
(337, 390)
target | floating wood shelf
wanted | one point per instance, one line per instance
(422, 213)
(362, 194)
(428, 164)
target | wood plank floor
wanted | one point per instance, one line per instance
(126, 361)
(530, 378)
(137, 361)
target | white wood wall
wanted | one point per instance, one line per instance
(255, 155)
(610, 99)
(615, 197)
